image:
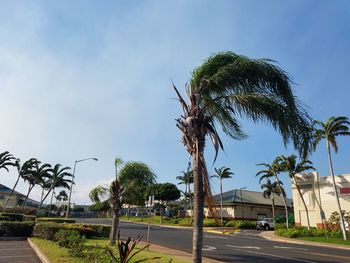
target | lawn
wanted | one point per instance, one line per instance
(154, 220)
(329, 240)
(58, 254)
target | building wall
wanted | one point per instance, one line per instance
(319, 192)
(11, 203)
(246, 211)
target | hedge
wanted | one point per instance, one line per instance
(16, 229)
(99, 230)
(47, 230)
(186, 222)
(55, 220)
(4, 218)
(12, 216)
(304, 232)
(21, 210)
(241, 224)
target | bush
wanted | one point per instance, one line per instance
(30, 218)
(241, 224)
(99, 230)
(20, 210)
(13, 216)
(16, 229)
(4, 218)
(71, 239)
(208, 222)
(304, 232)
(55, 220)
(186, 222)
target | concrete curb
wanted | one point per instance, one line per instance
(224, 232)
(271, 236)
(38, 252)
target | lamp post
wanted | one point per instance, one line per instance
(241, 198)
(71, 186)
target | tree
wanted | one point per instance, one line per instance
(333, 127)
(187, 180)
(289, 164)
(35, 177)
(6, 160)
(57, 177)
(270, 190)
(224, 88)
(115, 199)
(222, 173)
(23, 171)
(135, 177)
(272, 170)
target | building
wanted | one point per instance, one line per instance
(318, 193)
(16, 200)
(241, 204)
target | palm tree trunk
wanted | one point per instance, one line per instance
(198, 215)
(51, 203)
(185, 205)
(302, 199)
(273, 207)
(336, 192)
(114, 229)
(284, 201)
(190, 197)
(43, 199)
(25, 200)
(222, 222)
(13, 189)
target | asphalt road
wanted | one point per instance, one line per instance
(245, 246)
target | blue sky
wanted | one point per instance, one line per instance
(85, 79)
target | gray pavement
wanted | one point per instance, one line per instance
(17, 251)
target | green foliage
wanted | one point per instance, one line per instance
(4, 218)
(209, 222)
(78, 209)
(29, 218)
(55, 220)
(71, 239)
(241, 224)
(21, 210)
(16, 229)
(304, 232)
(13, 216)
(186, 222)
(99, 229)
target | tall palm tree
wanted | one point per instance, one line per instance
(272, 170)
(292, 167)
(222, 173)
(333, 127)
(35, 177)
(6, 160)
(270, 190)
(224, 88)
(23, 171)
(115, 198)
(187, 180)
(58, 177)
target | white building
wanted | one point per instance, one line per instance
(318, 193)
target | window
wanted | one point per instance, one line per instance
(2, 196)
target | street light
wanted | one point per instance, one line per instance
(241, 198)
(71, 186)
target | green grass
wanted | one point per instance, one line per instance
(329, 240)
(58, 254)
(154, 220)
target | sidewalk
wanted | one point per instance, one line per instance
(270, 235)
(17, 251)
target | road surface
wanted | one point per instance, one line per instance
(245, 246)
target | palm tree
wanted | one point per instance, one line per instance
(224, 88)
(35, 177)
(333, 127)
(115, 198)
(270, 190)
(23, 171)
(222, 173)
(272, 170)
(57, 177)
(6, 160)
(187, 180)
(289, 164)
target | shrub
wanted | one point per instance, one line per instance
(16, 229)
(13, 216)
(46, 230)
(99, 230)
(4, 218)
(304, 232)
(29, 218)
(21, 210)
(71, 239)
(241, 224)
(208, 222)
(63, 235)
(55, 220)
(186, 222)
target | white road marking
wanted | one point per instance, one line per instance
(208, 248)
(247, 247)
(297, 248)
(271, 255)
